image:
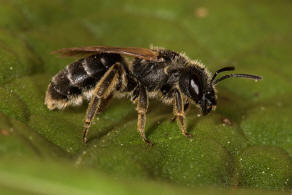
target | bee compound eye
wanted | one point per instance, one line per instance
(194, 86)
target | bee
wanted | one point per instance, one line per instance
(104, 72)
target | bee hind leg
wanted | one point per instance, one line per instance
(101, 95)
(91, 112)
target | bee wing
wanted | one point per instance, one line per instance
(147, 54)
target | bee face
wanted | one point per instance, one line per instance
(197, 88)
(208, 101)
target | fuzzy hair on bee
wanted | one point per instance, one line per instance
(103, 72)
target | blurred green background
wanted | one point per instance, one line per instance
(41, 151)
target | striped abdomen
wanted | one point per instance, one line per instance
(78, 79)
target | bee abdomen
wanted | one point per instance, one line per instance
(70, 84)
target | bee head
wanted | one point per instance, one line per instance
(196, 85)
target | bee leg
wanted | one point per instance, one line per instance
(142, 105)
(186, 106)
(135, 94)
(101, 95)
(103, 104)
(91, 111)
(178, 111)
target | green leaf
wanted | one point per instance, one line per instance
(245, 144)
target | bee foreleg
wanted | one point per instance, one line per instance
(178, 111)
(142, 106)
(101, 95)
(186, 106)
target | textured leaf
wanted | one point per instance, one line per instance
(245, 143)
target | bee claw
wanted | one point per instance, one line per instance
(84, 140)
(173, 119)
(188, 135)
(147, 142)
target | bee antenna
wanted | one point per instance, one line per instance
(227, 68)
(248, 76)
